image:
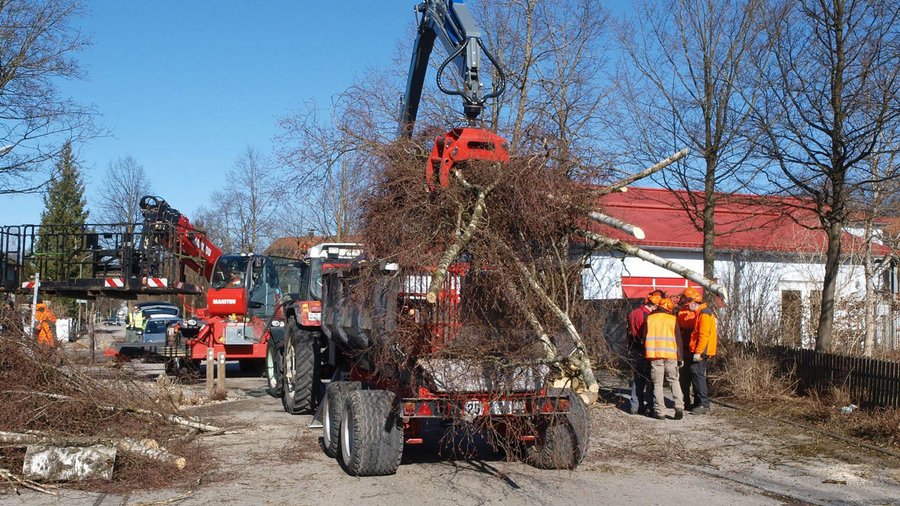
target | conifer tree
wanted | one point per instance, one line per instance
(62, 221)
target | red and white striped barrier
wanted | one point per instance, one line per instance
(28, 285)
(114, 283)
(156, 282)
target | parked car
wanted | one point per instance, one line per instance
(155, 328)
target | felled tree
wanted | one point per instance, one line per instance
(510, 225)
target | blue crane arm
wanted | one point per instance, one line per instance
(452, 23)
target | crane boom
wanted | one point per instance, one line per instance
(452, 23)
(165, 226)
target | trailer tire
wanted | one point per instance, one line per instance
(333, 412)
(301, 369)
(563, 442)
(275, 368)
(371, 434)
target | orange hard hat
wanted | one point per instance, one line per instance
(654, 299)
(666, 304)
(692, 294)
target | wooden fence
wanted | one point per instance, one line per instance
(870, 382)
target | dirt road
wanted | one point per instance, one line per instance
(727, 457)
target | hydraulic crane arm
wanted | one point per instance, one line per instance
(166, 227)
(452, 23)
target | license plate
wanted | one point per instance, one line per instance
(473, 408)
(507, 407)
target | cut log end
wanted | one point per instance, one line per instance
(639, 233)
(180, 462)
(431, 297)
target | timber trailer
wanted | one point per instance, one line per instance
(368, 416)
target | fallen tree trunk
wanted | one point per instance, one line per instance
(66, 463)
(578, 359)
(125, 444)
(451, 254)
(669, 265)
(634, 230)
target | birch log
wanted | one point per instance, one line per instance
(437, 277)
(644, 173)
(578, 358)
(669, 265)
(126, 444)
(634, 230)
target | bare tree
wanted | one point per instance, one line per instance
(243, 216)
(330, 162)
(872, 201)
(684, 84)
(830, 75)
(124, 183)
(37, 50)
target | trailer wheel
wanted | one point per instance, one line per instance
(301, 369)
(563, 442)
(275, 368)
(371, 434)
(333, 413)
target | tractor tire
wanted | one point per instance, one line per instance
(371, 434)
(333, 412)
(275, 368)
(563, 442)
(301, 369)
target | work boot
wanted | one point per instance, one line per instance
(633, 411)
(679, 414)
(700, 410)
(642, 411)
(659, 416)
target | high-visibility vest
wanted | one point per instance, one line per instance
(138, 320)
(661, 342)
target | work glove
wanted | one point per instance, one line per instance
(697, 357)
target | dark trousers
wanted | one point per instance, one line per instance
(641, 392)
(685, 379)
(698, 381)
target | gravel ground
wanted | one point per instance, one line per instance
(727, 457)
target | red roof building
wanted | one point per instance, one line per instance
(769, 256)
(743, 223)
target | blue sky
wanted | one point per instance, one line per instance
(185, 86)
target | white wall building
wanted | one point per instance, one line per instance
(770, 258)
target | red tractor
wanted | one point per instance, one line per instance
(294, 356)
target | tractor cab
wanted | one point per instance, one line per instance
(243, 286)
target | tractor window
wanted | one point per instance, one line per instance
(230, 272)
(264, 288)
(315, 278)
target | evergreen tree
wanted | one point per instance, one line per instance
(62, 221)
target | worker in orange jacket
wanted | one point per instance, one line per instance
(662, 339)
(686, 320)
(44, 324)
(702, 345)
